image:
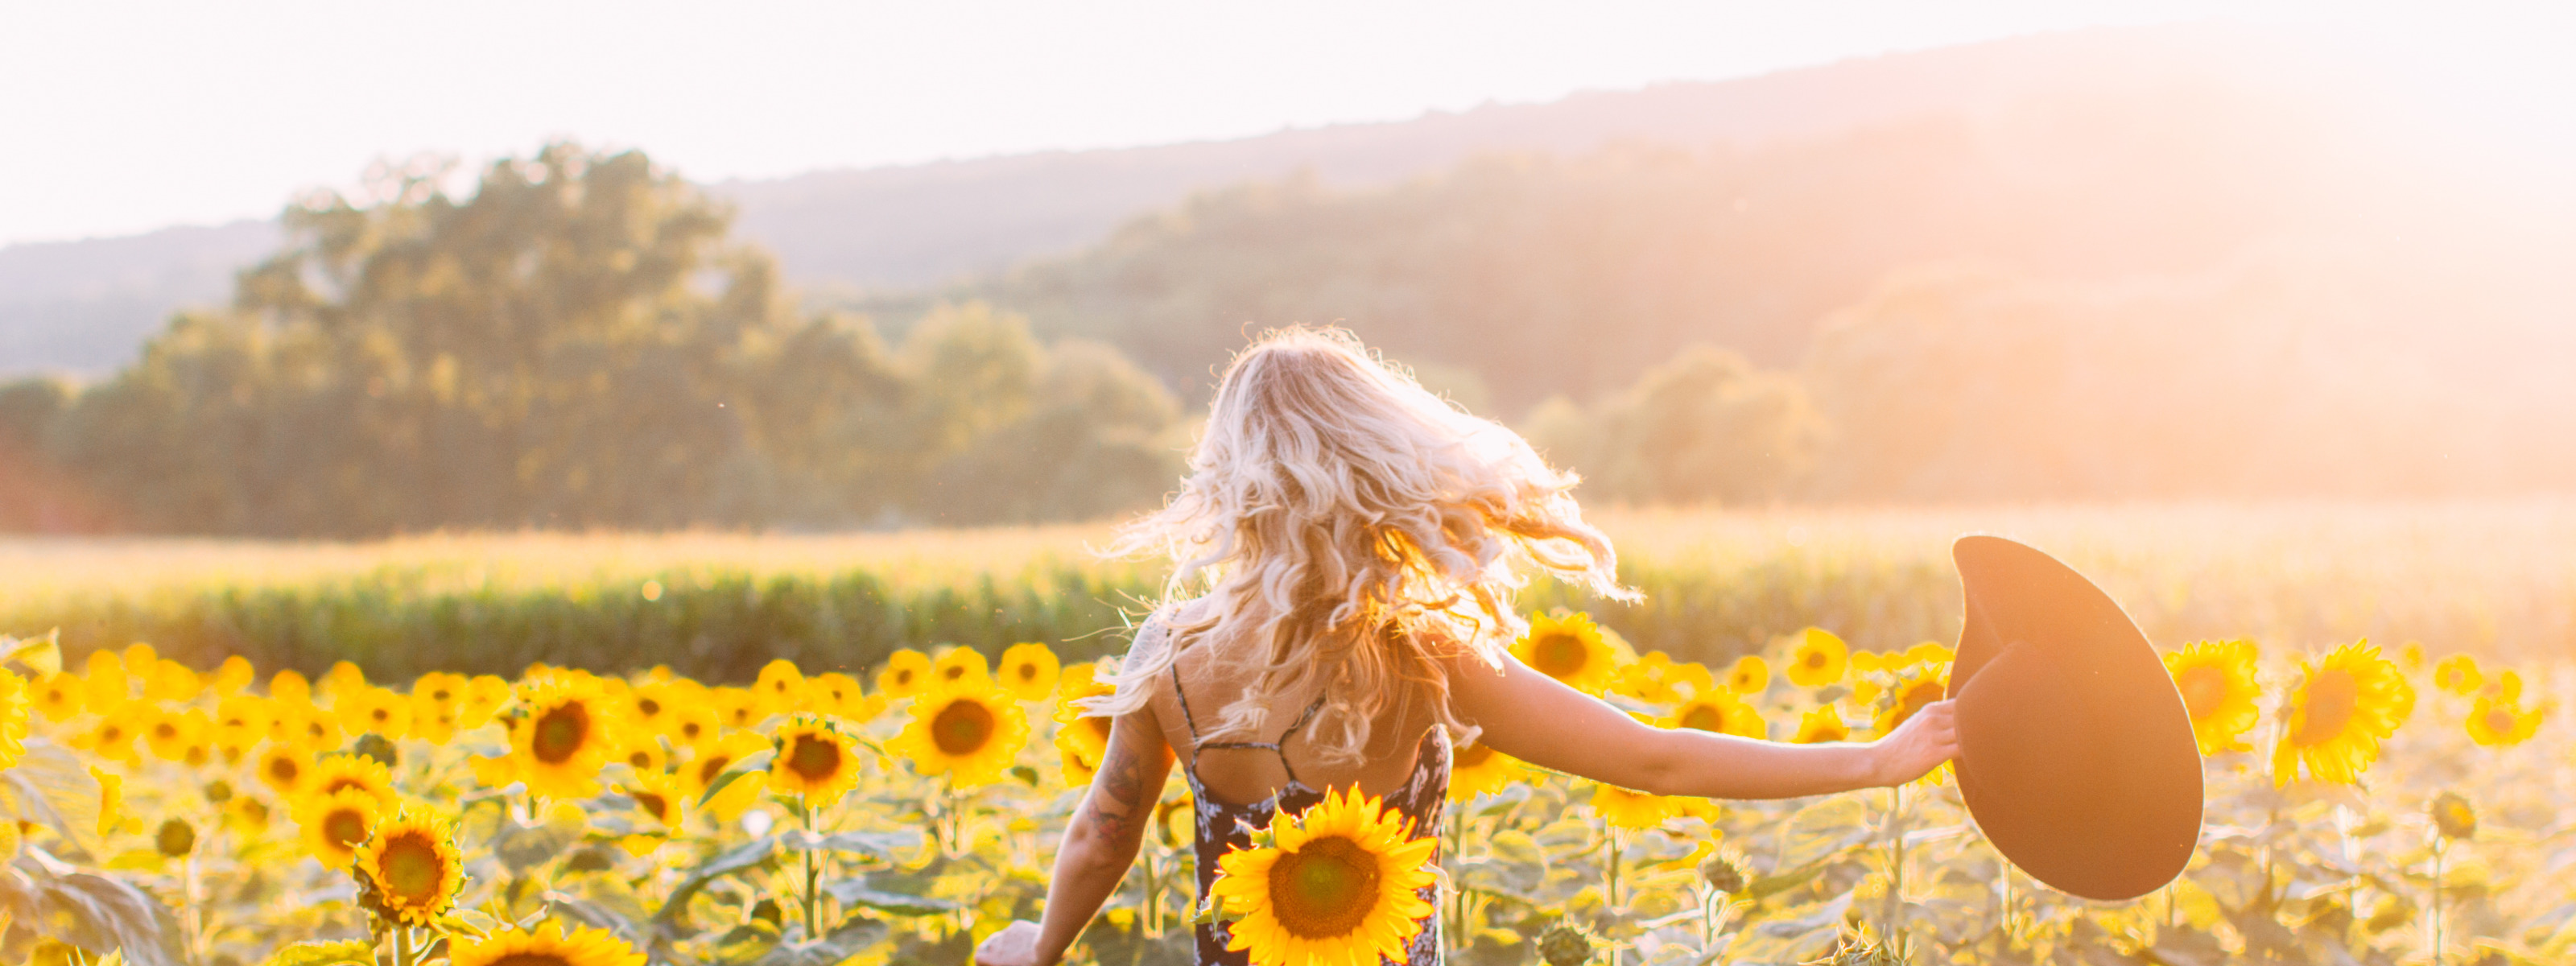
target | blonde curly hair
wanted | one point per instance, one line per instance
(1349, 531)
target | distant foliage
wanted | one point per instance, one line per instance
(1704, 428)
(578, 344)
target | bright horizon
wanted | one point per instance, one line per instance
(207, 114)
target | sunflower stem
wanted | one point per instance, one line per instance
(1896, 870)
(2438, 844)
(402, 946)
(813, 873)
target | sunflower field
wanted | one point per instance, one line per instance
(2365, 806)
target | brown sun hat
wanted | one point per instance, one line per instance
(2075, 753)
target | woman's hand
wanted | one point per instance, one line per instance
(1919, 745)
(1015, 945)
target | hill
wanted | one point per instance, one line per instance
(85, 306)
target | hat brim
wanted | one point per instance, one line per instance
(2076, 756)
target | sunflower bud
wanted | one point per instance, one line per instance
(219, 791)
(1724, 873)
(1565, 945)
(2453, 817)
(377, 747)
(175, 839)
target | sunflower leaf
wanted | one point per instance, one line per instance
(43, 655)
(757, 761)
(858, 892)
(749, 855)
(882, 846)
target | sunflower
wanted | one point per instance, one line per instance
(564, 732)
(648, 707)
(241, 720)
(906, 673)
(285, 769)
(1029, 671)
(232, 675)
(409, 870)
(112, 737)
(287, 685)
(957, 664)
(344, 677)
(1749, 674)
(1928, 653)
(1908, 696)
(1821, 726)
(664, 797)
(17, 706)
(547, 945)
(644, 753)
(2499, 723)
(1649, 678)
(1818, 659)
(1078, 768)
(1721, 712)
(693, 726)
(2452, 816)
(1336, 886)
(111, 800)
(780, 687)
(1478, 768)
(736, 707)
(484, 696)
(59, 696)
(815, 760)
(2216, 679)
(966, 729)
(333, 774)
(103, 680)
(1621, 808)
(840, 696)
(712, 762)
(336, 824)
(169, 734)
(300, 723)
(2507, 686)
(1571, 649)
(2344, 706)
(2457, 674)
(170, 681)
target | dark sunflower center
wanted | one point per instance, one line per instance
(1028, 672)
(713, 766)
(1814, 660)
(1325, 890)
(165, 731)
(533, 959)
(1701, 717)
(903, 678)
(560, 733)
(2203, 687)
(640, 758)
(441, 695)
(2499, 721)
(692, 730)
(2332, 698)
(283, 769)
(653, 804)
(412, 868)
(1558, 655)
(962, 728)
(1742, 681)
(814, 758)
(954, 671)
(343, 784)
(1100, 725)
(111, 734)
(1913, 700)
(345, 827)
(382, 715)
(649, 707)
(1474, 755)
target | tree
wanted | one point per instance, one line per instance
(1706, 427)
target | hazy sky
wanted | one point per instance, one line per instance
(127, 116)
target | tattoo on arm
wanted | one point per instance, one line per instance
(1120, 802)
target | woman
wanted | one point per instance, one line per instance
(1348, 545)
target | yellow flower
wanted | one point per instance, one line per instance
(335, 825)
(644, 752)
(780, 687)
(300, 723)
(814, 759)
(1820, 726)
(840, 696)
(170, 733)
(1721, 712)
(103, 678)
(373, 710)
(737, 707)
(694, 726)
(649, 706)
(564, 732)
(111, 800)
(1908, 696)
(958, 664)
(1337, 886)
(2507, 686)
(241, 720)
(2498, 723)
(2457, 674)
(711, 763)
(170, 682)
(112, 737)
(548, 945)
(1478, 768)
(289, 686)
(334, 774)
(59, 696)
(1570, 649)
(1749, 675)
(2216, 679)
(1928, 653)
(1029, 671)
(285, 769)
(906, 673)
(343, 678)
(484, 696)
(1622, 808)
(17, 707)
(1818, 659)
(665, 797)
(410, 868)
(231, 676)
(2343, 708)
(966, 729)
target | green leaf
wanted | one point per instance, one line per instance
(883, 846)
(50, 785)
(43, 656)
(1819, 831)
(858, 892)
(757, 761)
(749, 855)
(521, 847)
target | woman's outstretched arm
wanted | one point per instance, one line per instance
(1099, 845)
(1532, 717)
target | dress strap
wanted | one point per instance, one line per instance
(1280, 747)
(1184, 699)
